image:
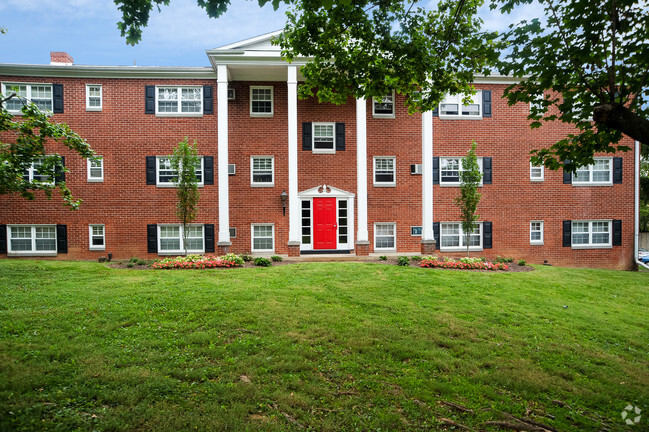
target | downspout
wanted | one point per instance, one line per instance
(636, 225)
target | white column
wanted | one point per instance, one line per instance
(222, 166)
(294, 206)
(361, 168)
(427, 176)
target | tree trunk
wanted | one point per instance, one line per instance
(620, 118)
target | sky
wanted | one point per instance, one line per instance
(177, 36)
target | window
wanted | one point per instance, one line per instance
(32, 173)
(170, 239)
(263, 238)
(591, 233)
(261, 168)
(453, 107)
(324, 138)
(261, 101)
(536, 172)
(536, 232)
(342, 222)
(93, 97)
(385, 237)
(306, 222)
(599, 173)
(96, 169)
(32, 240)
(38, 94)
(383, 107)
(166, 174)
(97, 237)
(452, 237)
(450, 168)
(179, 100)
(384, 171)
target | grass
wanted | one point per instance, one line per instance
(349, 346)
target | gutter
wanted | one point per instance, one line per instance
(636, 225)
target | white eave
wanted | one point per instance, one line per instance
(82, 71)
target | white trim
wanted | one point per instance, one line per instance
(294, 205)
(272, 172)
(179, 100)
(462, 238)
(590, 169)
(222, 154)
(32, 251)
(457, 100)
(332, 150)
(427, 176)
(171, 184)
(28, 94)
(361, 168)
(101, 98)
(181, 250)
(381, 115)
(393, 183)
(272, 101)
(394, 227)
(537, 179)
(103, 237)
(461, 165)
(101, 167)
(536, 241)
(590, 244)
(252, 237)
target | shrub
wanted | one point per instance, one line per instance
(130, 264)
(133, 259)
(237, 260)
(262, 262)
(141, 262)
(500, 259)
(383, 258)
(198, 262)
(276, 258)
(403, 261)
(415, 258)
(471, 260)
(521, 262)
(246, 257)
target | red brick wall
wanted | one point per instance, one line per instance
(124, 136)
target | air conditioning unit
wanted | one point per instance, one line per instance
(415, 169)
(232, 169)
(233, 233)
(231, 94)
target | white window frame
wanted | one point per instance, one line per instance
(252, 237)
(272, 101)
(92, 235)
(178, 112)
(538, 241)
(388, 98)
(31, 170)
(462, 244)
(252, 172)
(171, 183)
(180, 233)
(88, 96)
(32, 251)
(540, 169)
(92, 179)
(392, 183)
(590, 244)
(457, 99)
(461, 165)
(394, 236)
(332, 150)
(590, 169)
(6, 86)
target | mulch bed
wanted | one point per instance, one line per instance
(513, 266)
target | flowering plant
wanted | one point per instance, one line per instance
(198, 262)
(459, 265)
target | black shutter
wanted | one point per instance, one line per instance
(57, 93)
(149, 99)
(208, 100)
(567, 233)
(340, 136)
(486, 103)
(152, 238)
(62, 239)
(487, 235)
(617, 232)
(436, 234)
(59, 174)
(617, 170)
(567, 176)
(436, 170)
(209, 237)
(307, 136)
(208, 170)
(3, 239)
(436, 111)
(150, 170)
(486, 170)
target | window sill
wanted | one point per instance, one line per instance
(93, 109)
(458, 117)
(179, 114)
(261, 115)
(324, 151)
(460, 249)
(264, 251)
(592, 184)
(164, 186)
(592, 247)
(34, 254)
(102, 248)
(94, 180)
(180, 253)
(262, 185)
(383, 116)
(454, 185)
(537, 180)
(385, 185)
(536, 243)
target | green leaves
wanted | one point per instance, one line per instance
(185, 161)
(469, 198)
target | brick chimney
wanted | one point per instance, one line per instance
(60, 58)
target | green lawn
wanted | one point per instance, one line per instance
(335, 347)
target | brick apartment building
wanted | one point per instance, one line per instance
(287, 176)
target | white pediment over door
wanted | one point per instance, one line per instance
(325, 191)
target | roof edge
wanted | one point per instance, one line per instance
(108, 71)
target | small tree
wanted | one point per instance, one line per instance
(185, 162)
(469, 197)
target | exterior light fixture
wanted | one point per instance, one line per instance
(284, 197)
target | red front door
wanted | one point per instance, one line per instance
(324, 223)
